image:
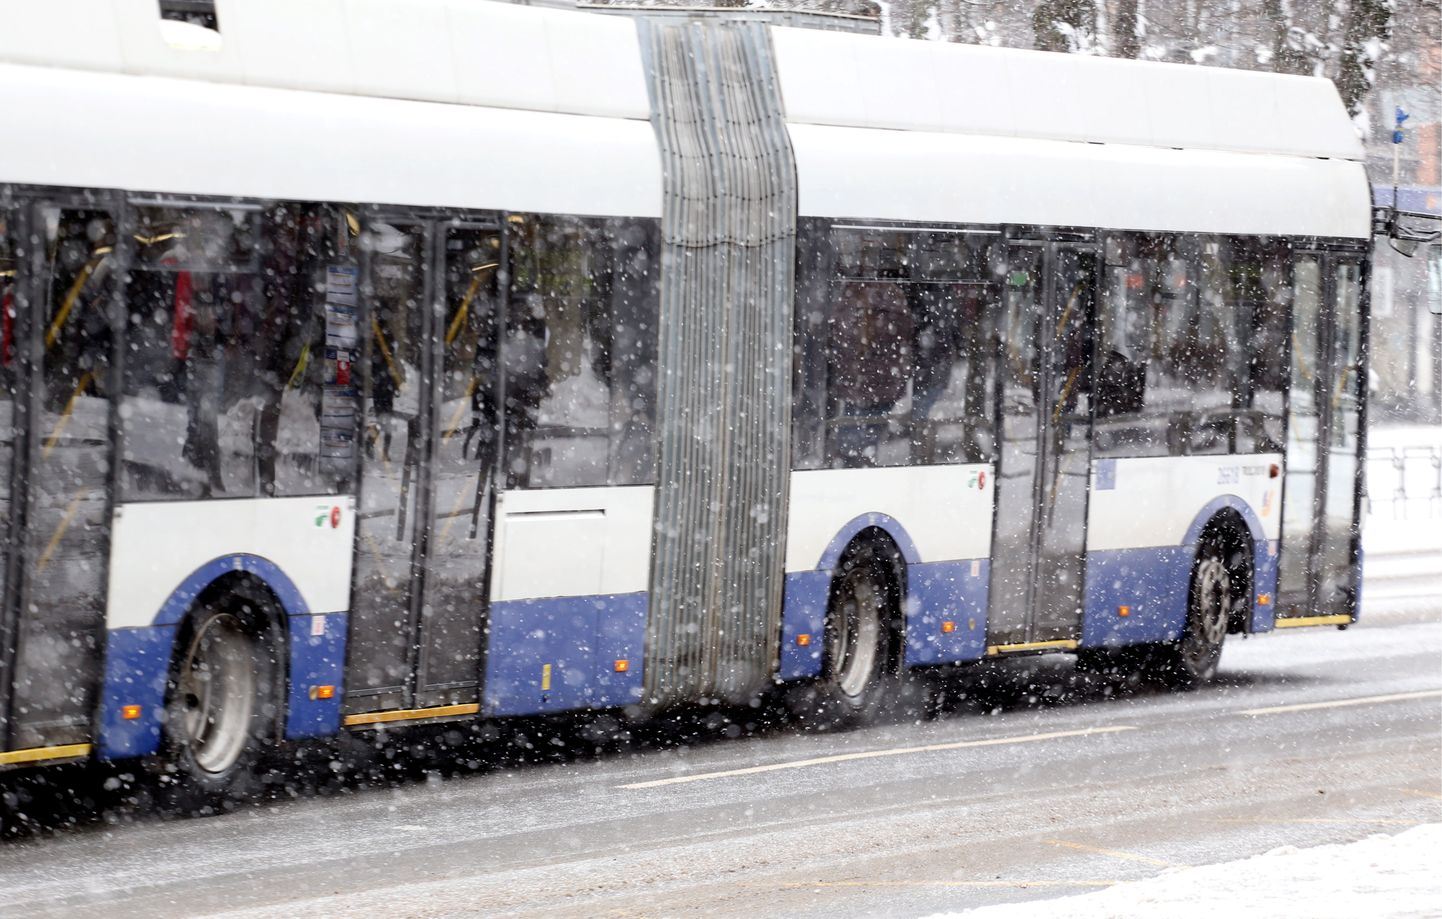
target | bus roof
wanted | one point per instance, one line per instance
(477, 52)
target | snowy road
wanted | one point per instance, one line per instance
(1313, 737)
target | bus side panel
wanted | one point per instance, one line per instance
(568, 599)
(1140, 549)
(940, 519)
(165, 554)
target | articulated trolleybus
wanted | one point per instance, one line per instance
(378, 363)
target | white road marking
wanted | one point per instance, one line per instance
(1341, 703)
(876, 754)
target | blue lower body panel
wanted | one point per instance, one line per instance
(1264, 564)
(803, 613)
(1152, 584)
(561, 654)
(942, 592)
(137, 666)
(317, 658)
(937, 592)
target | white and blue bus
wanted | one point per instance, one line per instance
(374, 363)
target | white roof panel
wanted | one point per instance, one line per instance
(189, 137)
(932, 176)
(844, 79)
(473, 51)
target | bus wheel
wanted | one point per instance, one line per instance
(857, 671)
(1193, 660)
(216, 720)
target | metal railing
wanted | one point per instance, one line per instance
(1407, 480)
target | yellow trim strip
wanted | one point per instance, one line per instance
(41, 754)
(1298, 622)
(411, 714)
(1064, 644)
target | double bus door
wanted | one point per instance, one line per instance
(59, 276)
(428, 458)
(1039, 540)
(1321, 496)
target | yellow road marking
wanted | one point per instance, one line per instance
(1319, 821)
(875, 754)
(978, 884)
(1297, 622)
(1342, 703)
(41, 754)
(411, 714)
(1114, 853)
(1065, 644)
(1421, 794)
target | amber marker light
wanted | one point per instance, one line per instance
(130, 712)
(322, 692)
(1124, 611)
(803, 639)
(622, 666)
(1264, 599)
(947, 627)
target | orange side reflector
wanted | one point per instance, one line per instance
(622, 666)
(1264, 599)
(1124, 611)
(130, 712)
(322, 692)
(803, 639)
(947, 626)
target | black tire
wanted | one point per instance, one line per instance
(859, 677)
(220, 711)
(1192, 661)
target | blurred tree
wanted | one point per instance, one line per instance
(1065, 25)
(1368, 29)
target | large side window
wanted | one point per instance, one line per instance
(237, 362)
(1126, 424)
(894, 348)
(1263, 287)
(1189, 346)
(579, 352)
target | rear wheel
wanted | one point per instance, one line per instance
(219, 711)
(858, 677)
(1193, 660)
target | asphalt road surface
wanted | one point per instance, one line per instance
(1038, 783)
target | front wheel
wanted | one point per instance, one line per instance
(219, 712)
(1193, 660)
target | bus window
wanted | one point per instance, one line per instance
(1262, 285)
(226, 353)
(191, 290)
(579, 353)
(1124, 337)
(910, 336)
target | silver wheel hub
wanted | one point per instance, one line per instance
(215, 694)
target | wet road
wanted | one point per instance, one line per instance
(1046, 785)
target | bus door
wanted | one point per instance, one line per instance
(1320, 500)
(9, 419)
(428, 461)
(63, 302)
(1038, 551)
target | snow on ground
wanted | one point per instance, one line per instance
(1381, 877)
